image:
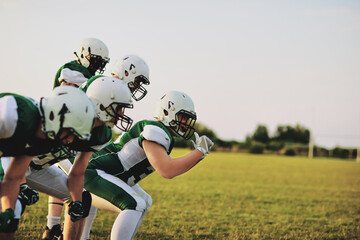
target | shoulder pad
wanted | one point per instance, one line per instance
(156, 134)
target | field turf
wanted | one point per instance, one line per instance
(240, 196)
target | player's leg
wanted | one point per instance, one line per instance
(53, 181)
(55, 207)
(148, 201)
(73, 230)
(121, 195)
(9, 233)
(88, 223)
(53, 225)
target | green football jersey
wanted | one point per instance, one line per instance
(100, 137)
(72, 72)
(23, 140)
(127, 159)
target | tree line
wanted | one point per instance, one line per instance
(287, 140)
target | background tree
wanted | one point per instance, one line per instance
(261, 134)
(299, 134)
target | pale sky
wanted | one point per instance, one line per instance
(243, 63)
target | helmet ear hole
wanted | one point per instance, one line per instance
(102, 108)
(51, 117)
(166, 112)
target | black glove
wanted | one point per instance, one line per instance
(29, 195)
(5, 219)
(76, 211)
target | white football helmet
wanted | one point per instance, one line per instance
(176, 110)
(67, 107)
(110, 96)
(93, 54)
(134, 72)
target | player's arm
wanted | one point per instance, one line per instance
(165, 165)
(76, 176)
(13, 178)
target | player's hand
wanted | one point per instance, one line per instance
(5, 219)
(76, 211)
(29, 195)
(203, 144)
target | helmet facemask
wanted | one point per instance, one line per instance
(137, 89)
(97, 63)
(183, 124)
(117, 112)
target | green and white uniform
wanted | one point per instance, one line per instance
(19, 120)
(113, 172)
(72, 72)
(48, 178)
(44, 175)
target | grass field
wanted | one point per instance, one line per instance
(241, 196)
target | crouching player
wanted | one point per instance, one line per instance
(29, 128)
(113, 173)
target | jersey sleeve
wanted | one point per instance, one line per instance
(8, 116)
(155, 134)
(96, 148)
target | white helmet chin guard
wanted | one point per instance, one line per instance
(176, 110)
(134, 71)
(93, 54)
(70, 108)
(111, 97)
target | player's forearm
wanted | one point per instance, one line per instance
(77, 174)
(185, 163)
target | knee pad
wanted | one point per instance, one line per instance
(19, 210)
(86, 201)
(13, 225)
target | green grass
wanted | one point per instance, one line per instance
(241, 196)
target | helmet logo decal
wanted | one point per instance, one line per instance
(132, 68)
(171, 106)
(64, 110)
(61, 113)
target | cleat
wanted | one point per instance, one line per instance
(55, 233)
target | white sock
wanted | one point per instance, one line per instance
(52, 221)
(125, 225)
(88, 223)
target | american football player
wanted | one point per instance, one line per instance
(29, 128)
(91, 58)
(134, 71)
(113, 173)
